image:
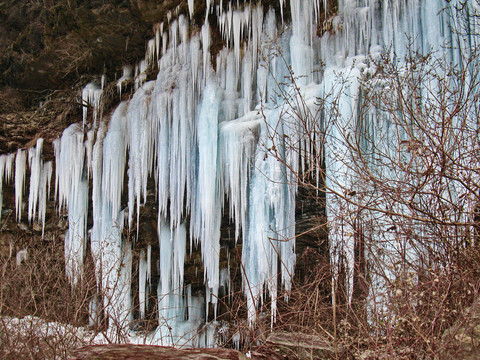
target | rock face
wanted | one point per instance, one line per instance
(124, 352)
(47, 45)
(463, 337)
(303, 346)
(50, 50)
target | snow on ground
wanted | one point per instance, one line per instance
(32, 336)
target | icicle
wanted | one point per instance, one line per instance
(151, 51)
(157, 41)
(238, 139)
(269, 228)
(127, 75)
(6, 172)
(142, 282)
(165, 243)
(173, 37)
(237, 33)
(116, 265)
(257, 31)
(300, 43)
(206, 48)
(247, 81)
(281, 9)
(142, 145)
(231, 93)
(73, 194)
(44, 193)
(76, 236)
(114, 159)
(97, 203)
(163, 161)
(191, 8)
(3, 159)
(183, 26)
(180, 147)
(208, 228)
(113, 255)
(140, 73)
(148, 273)
(164, 42)
(207, 8)
(35, 161)
(195, 56)
(20, 173)
(91, 95)
(69, 163)
(172, 257)
(56, 150)
(89, 150)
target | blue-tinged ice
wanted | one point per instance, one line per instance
(233, 139)
(141, 141)
(20, 174)
(270, 229)
(71, 177)
(206, 227)
(6, 167)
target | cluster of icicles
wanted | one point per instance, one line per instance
(202, 135)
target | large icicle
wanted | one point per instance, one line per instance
(20, 173)
(44, 192)
(114, 254)
(142, 144)
(6, 162)
(191, 8)
(35, 161)
(114, 159)
(71, 177)
(338, 161)
(238, 139)
(97, 203)
(40, 178)
(76, 236)
(180, 313)
(269, 232)
(207, 220)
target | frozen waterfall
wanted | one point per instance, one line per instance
(228, 132)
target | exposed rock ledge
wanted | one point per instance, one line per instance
(150, 352)
(279, 345)
(303, 346)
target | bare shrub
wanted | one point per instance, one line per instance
(37, 301)
(402, 204)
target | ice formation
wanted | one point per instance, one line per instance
(20, 170)
(91, 95)
(206, 137)
(72, 189)
(6, 167)
(127, 75)
(40, 179)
